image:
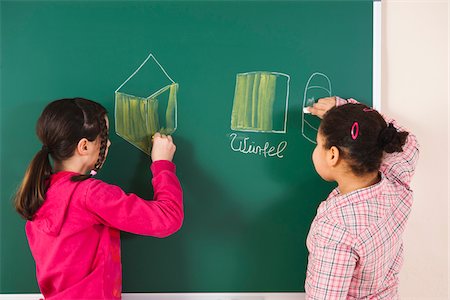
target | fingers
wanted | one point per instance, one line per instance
(326, 103)
(322, 106)
(329, 100)
(313, 110)
(159, 135)
(318, 110)
(163, 147)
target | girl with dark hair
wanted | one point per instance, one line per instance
(355, 241)
(74, 220)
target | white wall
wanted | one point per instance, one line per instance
(415, 91)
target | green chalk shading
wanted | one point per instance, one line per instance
(138, 119)
(254, 99)
(171, 109)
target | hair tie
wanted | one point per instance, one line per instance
(45, 148)
(354, 131)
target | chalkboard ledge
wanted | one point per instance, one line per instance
(183, 296)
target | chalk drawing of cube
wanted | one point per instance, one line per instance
(138, 118)
(260, 102)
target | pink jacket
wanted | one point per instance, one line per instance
(75, 235)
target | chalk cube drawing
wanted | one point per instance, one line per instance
(260, 102)
(138, 118)
(318, 86)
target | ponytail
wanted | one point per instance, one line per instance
(62, 124)
(390, 140)
(30, 195)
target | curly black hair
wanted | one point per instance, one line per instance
(362, 136)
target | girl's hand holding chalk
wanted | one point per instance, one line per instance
(322, 106)
(163, 147)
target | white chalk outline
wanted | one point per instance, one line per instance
(307, 87)
(155, 93)
(285, 110)
(137, 70)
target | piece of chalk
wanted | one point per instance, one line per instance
(306, 110)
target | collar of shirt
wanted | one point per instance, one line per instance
(336, 199)
(57, 176)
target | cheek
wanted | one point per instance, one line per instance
(318, 162)
(314, 156)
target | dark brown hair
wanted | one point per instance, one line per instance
(374, 136)
(62, 124)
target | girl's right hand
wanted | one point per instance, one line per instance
(322, 106)
(163, 147)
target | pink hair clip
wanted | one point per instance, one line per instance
(93, 173)
(367, 109)
(355, 130)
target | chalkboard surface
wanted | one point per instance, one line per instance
(250, 193)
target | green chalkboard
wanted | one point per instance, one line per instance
(247, 215)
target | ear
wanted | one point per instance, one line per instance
(83, 147)
(333, 156)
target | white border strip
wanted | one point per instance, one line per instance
(184, 296)
(376, 85)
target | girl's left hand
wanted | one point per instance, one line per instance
(322, 106)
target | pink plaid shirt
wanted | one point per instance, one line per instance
(355, 241)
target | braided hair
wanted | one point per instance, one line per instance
(362, 136)
(103, 146)
(62, 124)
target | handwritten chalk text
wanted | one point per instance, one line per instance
(246, 146)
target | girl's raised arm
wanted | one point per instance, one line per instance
(160, 217)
